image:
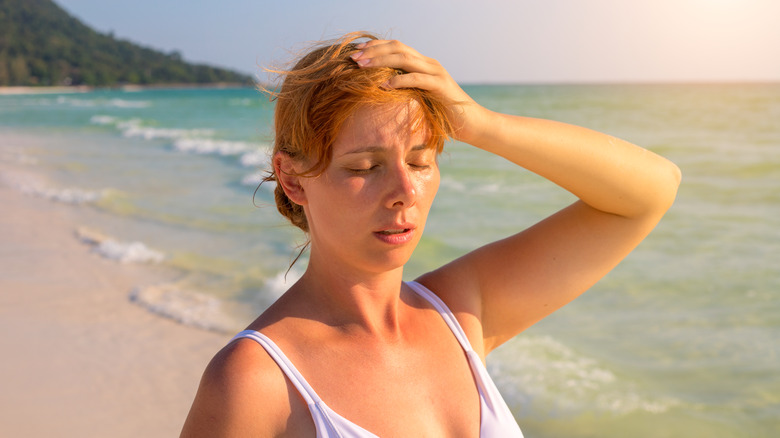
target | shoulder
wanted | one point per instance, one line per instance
(243, 392)
(456, 288)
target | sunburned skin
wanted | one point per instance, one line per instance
(368, 342)
(378, 189)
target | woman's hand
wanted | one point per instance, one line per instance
(508, 285)
(427, 74)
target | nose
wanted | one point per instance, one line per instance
(402, 190)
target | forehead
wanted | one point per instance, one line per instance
(383, 125)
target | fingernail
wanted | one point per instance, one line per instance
(356, 55)
(363, 62)
(360, 45)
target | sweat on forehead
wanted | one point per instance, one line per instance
(325, 87)
(387, 122)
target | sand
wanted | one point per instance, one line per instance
(16, 90)
(43, 90)
(78, 358)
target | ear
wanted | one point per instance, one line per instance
(286, 170)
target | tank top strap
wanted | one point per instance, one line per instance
(445, 313)
(284, 363)
(328, 423)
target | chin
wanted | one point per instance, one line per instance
(387, 262)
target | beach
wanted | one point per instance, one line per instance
(135, 242)
(20, 90)
(79, 359)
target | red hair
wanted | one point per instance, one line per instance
(319, 94)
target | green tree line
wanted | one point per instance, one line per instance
(41, 44)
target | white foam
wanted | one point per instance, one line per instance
(210, 146)
(193, 141)
(76, 102)
(543, 376)
(254, 179)
(122, 252)
(135, 127)
(122, 103)
(128, 252)
(185, 306)
(273, 288)
(115, 103)
(75, 196)
(257, 158)
(150, 133)
(103, 120)
(279, 284)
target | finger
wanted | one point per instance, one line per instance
(404, 61)
(380, 53)
(414, 80)
(383, 45)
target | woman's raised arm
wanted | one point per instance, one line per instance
(509, 285)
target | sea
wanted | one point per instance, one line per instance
(680, 340)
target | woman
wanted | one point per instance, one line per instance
(352, 350)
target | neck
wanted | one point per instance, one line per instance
(358, 303)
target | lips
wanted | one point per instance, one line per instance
(390, 232)
(396, 234)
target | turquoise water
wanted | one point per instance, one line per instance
(680, 340)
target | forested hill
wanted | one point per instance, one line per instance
(41, 44)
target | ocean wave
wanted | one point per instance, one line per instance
(195, 141)
(111, 103)
(257, 158)
(123, 252)
(184, 306)
(253, 180)
(273, 288)
(136, 127)
(74, 196)
(103, 120)
(542, 376)
(206, 146)
(282, 281)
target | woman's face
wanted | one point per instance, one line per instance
(369, 207)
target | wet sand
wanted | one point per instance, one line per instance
(79, 358)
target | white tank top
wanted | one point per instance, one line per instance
(495, 420)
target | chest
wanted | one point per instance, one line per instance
(424, 387)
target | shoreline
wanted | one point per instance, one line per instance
(74, 89)
(79, 357)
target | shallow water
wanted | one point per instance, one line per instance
(680, 339)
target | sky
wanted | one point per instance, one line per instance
(478, 41)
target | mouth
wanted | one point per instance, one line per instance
(392, 232)
(397, 235)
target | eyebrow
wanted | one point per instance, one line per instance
(372, 149)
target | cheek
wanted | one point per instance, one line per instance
(336, 203)
(429, 186)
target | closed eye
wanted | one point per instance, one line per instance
(362, 170)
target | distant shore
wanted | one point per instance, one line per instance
(18, 90)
